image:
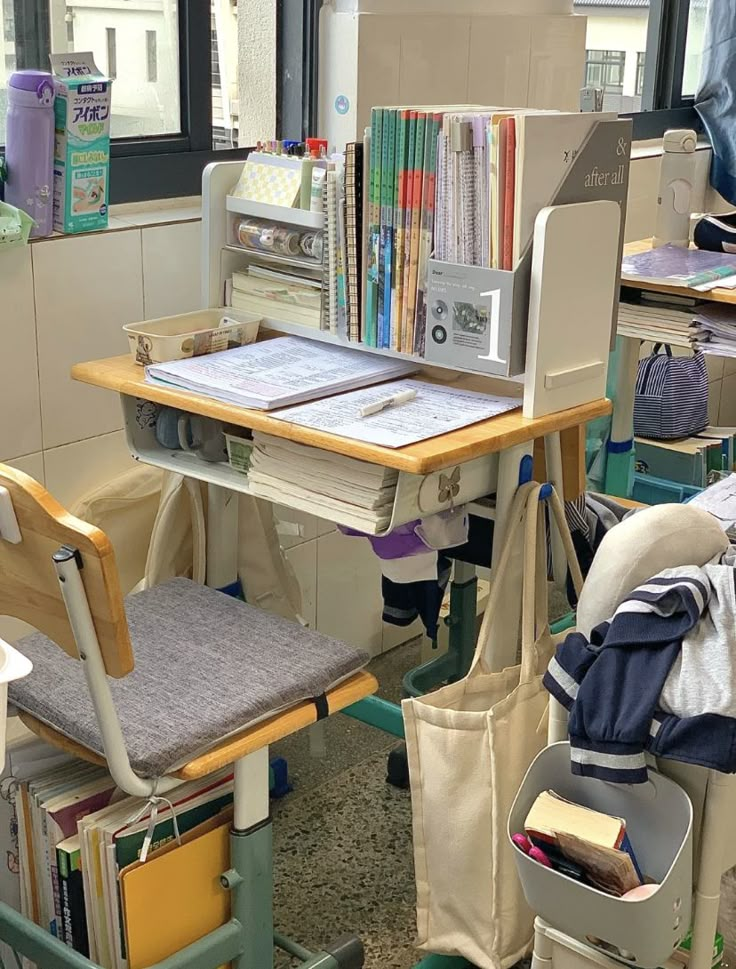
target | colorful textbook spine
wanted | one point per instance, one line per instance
(388, 177)
(429, 190)
(374, 228)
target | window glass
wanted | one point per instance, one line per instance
(694, 47)
(616, 40)
(224, 47)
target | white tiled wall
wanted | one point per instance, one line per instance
(64, 300)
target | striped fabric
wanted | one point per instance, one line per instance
(611, 683)
(671, 397)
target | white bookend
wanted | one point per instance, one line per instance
(573, 287)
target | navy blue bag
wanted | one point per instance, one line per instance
(671, 398)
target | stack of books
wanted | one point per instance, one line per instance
(78, 841)
(462, 183)
(661, 318)
(353, 492)
(584, 844)
(714, 329)
(693, 461)
(282, 293)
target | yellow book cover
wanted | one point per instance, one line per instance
(175, 897)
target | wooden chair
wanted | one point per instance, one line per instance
(213, 683)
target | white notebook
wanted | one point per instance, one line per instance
(276, 373)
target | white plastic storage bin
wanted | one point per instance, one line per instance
(659, 818)
(190, 335)
(13, 666)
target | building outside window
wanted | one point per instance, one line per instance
(146, 93)
(151, 56)
(619, 28)
(641, 60)
(112, 51)
(605, 69)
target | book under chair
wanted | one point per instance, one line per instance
(59, 574)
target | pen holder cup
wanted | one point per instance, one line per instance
(659, 818)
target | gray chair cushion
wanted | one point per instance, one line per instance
(206, 665)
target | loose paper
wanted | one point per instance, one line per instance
(435, 410)
(720, 500)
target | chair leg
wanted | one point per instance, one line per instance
(717, 811)
(250, 878)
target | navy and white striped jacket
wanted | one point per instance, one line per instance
(611, 685)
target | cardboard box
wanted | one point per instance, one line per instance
(81, 143)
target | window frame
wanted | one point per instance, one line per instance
(663, 104)
(170, 166)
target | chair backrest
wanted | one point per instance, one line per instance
(29, 587)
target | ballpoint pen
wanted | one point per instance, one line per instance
(402, 397)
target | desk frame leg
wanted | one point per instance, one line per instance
(222, 538)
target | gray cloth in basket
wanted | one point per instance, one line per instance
(206, 665)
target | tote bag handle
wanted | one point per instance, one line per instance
(526, 506)
(502, 579)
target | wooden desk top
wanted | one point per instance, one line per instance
(713, 295)
(126, 377)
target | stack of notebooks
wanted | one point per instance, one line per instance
(692, 461)
(353, 492)
(714, 329)
(276, 373)
(96, 870)
(282, 293)
(658, 317)
(327, 294)
(464, 184)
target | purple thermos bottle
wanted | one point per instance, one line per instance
(29, 147)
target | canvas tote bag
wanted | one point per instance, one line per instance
(469, 745)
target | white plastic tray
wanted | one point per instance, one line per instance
(190, 334)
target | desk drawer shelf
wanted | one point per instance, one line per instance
(416, 496)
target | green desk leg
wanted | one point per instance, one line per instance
(620, 473)
(443, 962)
(380, 713)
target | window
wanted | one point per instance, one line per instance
(662, 42)
(641, 60)
(112, 51)
(151, 56)
(605, 69)
(175, 99)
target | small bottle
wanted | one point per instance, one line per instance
(29, 148)
(318, 181)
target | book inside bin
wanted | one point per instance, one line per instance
(659, 825)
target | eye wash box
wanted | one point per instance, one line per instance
(81, 143)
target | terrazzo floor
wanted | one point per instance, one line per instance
(342, 838)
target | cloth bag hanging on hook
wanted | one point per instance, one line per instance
(469, 745)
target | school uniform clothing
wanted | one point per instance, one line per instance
(414, 572)
(631, 687)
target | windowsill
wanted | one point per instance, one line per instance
(654, 149)
(138, 215)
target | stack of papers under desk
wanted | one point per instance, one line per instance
(332, 486)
